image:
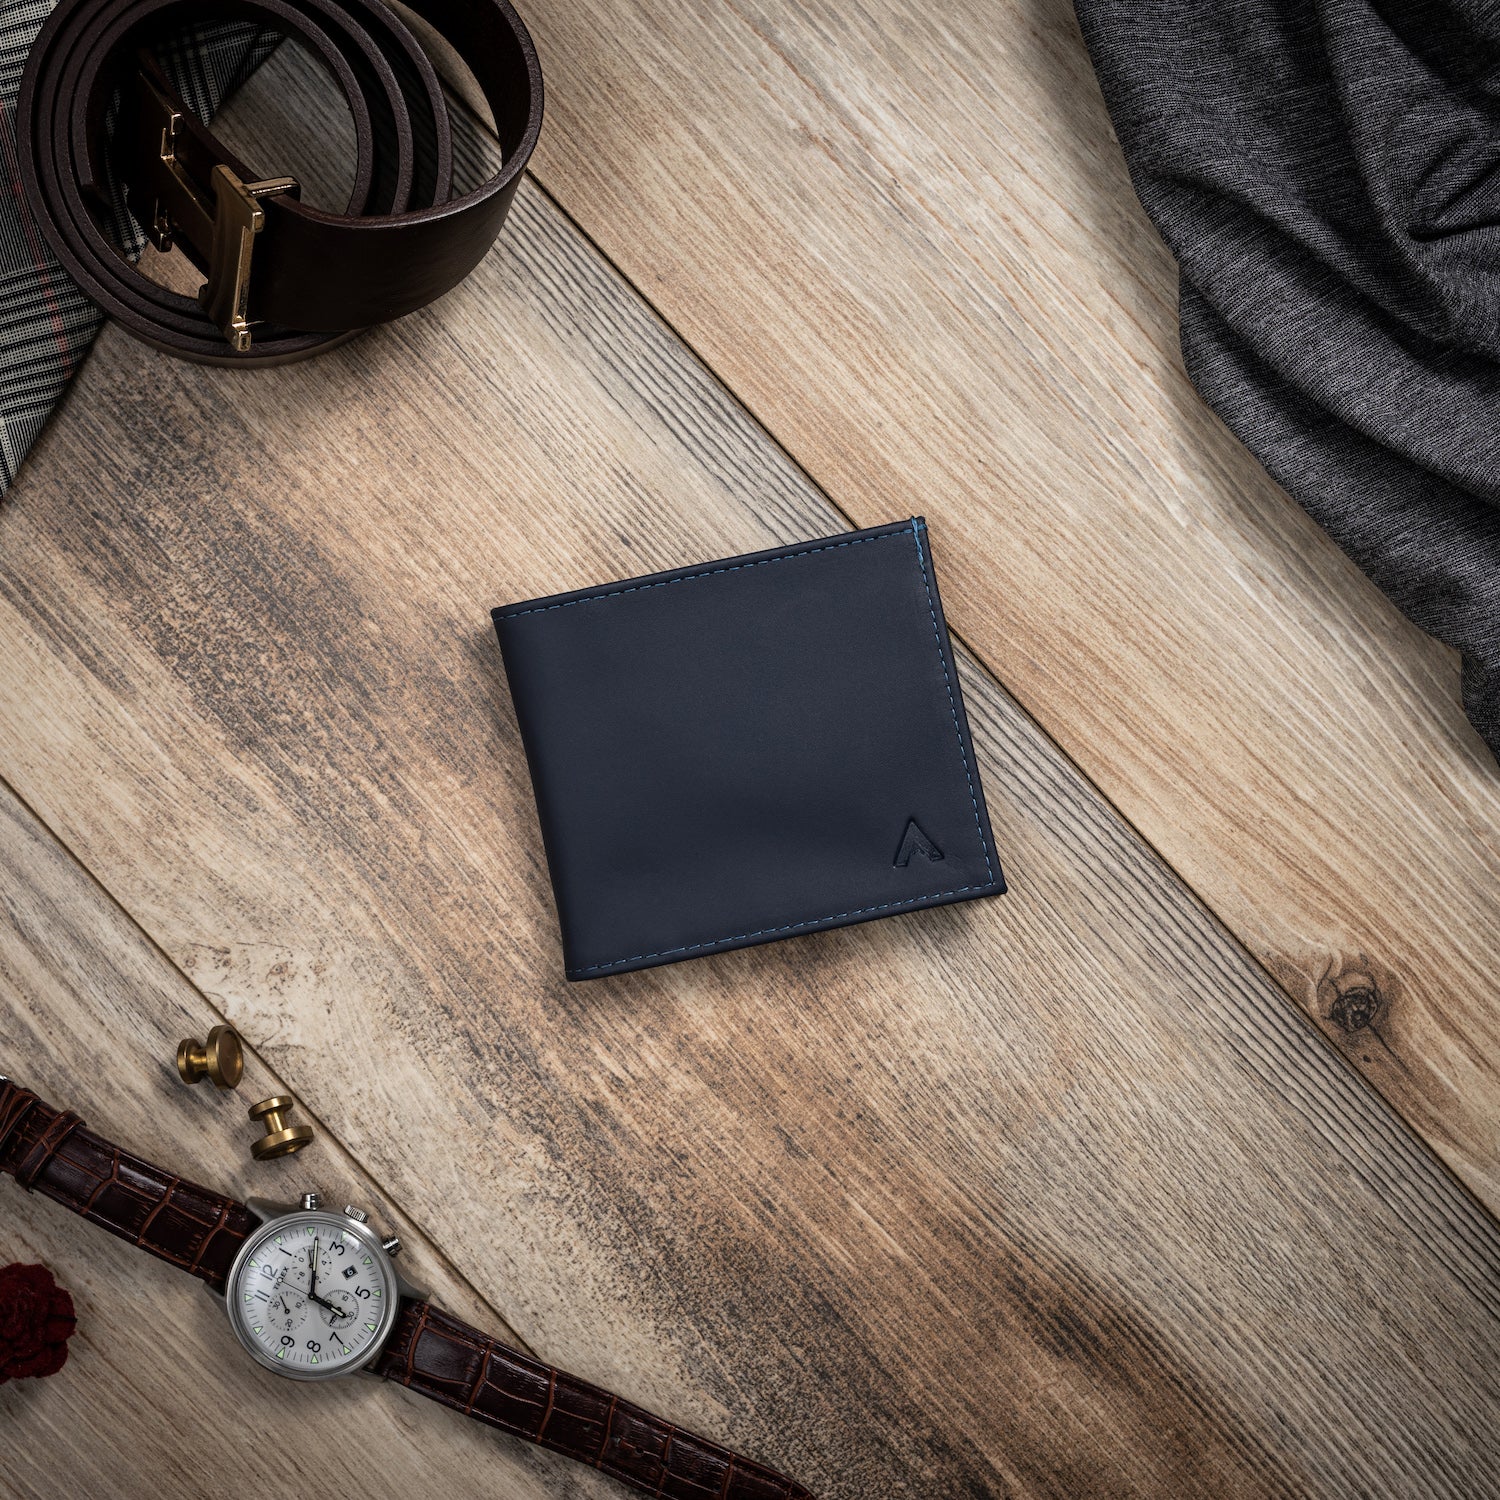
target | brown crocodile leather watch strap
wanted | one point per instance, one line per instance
(443, 1358)
(50, 1152)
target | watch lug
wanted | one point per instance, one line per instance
(409, 1292)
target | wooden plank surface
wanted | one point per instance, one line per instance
(148, 1405)
(905, 238)
(1052, 1195)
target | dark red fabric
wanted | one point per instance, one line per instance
(36, 1322)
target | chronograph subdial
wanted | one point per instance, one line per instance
(337, 1310)
(286, 1309)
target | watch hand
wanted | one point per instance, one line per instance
(282, 1285)
(322, 1302)
(312, 1269)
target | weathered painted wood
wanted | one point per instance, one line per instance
(905, 238)
(1051, 1195)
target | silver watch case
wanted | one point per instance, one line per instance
(397, 1287)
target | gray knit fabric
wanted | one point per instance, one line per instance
(1328, 177)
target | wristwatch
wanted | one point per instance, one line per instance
(313, 1294)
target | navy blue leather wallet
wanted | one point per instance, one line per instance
(748, 750)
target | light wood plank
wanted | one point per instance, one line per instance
(156, 1399)
(1044, 1196)
(906, 239)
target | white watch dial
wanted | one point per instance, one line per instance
(311, 1295)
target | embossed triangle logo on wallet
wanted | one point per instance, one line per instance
(914, 841)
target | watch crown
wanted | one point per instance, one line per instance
(311, 1201)
(391, 1244)
(357, 1214)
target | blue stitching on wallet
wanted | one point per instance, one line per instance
(636, 588)
(863, 911)
(984, 843)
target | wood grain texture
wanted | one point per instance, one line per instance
(148, 1404)
(905, 238)
(1052, 1195)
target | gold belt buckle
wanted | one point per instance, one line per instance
(227, 227)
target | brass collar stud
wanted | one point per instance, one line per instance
(280, 1138)
(220, 1058)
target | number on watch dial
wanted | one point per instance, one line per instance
(309, 1295)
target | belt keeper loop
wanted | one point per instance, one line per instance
(48, 1144)
(17, 1104)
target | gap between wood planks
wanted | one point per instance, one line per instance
(1082, 1310)
(469, 106)
(1037, 726)
(917, 255)
(304, 1111)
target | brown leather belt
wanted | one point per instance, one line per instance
(284, 280)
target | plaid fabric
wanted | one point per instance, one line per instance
(46, 323)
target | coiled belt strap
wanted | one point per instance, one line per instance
(284, 279)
